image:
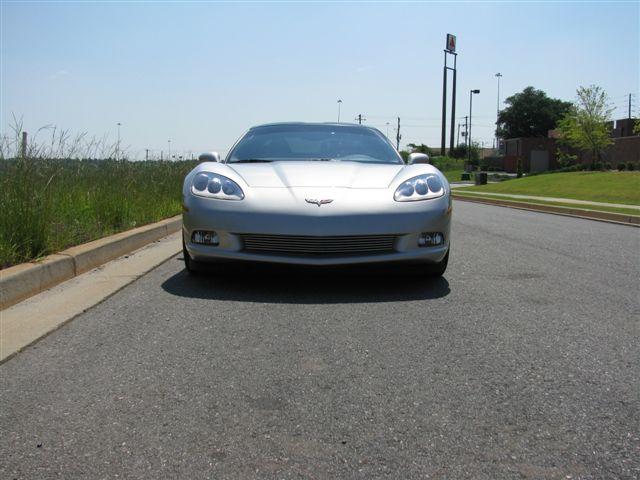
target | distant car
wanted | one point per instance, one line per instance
(316, 194)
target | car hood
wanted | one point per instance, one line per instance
(317, 174)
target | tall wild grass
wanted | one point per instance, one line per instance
(56, 196)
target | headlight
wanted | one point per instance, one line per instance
(212, 185)
(423, 187)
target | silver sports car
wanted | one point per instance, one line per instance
(316, 194)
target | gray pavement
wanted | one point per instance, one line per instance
(523, 363)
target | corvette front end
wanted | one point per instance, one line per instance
(316, 212)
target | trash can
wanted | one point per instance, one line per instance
(465, 176)
(481, 178)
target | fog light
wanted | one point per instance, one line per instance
(430, 239)
(205, 238)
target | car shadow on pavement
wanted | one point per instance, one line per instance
(291, 284)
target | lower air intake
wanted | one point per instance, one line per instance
(319, 246)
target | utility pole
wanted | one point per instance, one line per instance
(118, 144)
(23, 145)
(471, 92)
(146, 154)
(629, 106)
(498, 76)
(161, 155)
(339, 103)
(466, 131)
(360, 119)
(458, 139)
(169, 142)
(398, 136)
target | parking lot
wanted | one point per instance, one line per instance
(522, 362)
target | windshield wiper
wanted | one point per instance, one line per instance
(253, 160)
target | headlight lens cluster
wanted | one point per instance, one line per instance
(422, 187)
(212, 185)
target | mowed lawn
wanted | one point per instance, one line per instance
(607, 187)
(453, 175)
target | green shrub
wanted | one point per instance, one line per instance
(566, 160)
(622, 166)
(447, 163)
(607, 166)
(519, 168)
(631, 166)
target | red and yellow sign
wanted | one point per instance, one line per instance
(451, 43)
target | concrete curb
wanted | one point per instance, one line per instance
(617, 218)
(25, 280)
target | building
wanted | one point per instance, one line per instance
(539, 154)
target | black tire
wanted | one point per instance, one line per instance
(190, 264)
(432, 270)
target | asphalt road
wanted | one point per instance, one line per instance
(524, 362)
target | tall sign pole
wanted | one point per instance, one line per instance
(444, 107)
(453, 103)
(450, 49)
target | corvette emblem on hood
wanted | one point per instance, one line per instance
(318, 202)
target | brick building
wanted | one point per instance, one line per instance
(539, 154)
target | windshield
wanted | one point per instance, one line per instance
(313, 142)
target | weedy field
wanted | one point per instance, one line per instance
(51, 204)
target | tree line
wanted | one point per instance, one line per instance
(583, 124)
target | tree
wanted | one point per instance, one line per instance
(420, 148)
(585, 127)
(461, 152)
(636, 128)
(530, 113)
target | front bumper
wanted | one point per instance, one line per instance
(354, 213)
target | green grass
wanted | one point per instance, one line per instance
(453, 175)
(462, 192)
(608, 187)
(49, 205)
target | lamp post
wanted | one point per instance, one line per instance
(387, 129)
(339, 103)
(498, 76)
(471, 92)
(118, 144)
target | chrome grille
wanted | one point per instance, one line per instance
(322, 246)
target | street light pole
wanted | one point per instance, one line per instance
(498, 76)
(118, 144)
(471, 92)
(339, 103)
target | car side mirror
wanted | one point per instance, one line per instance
(418, 158)
(209, 157)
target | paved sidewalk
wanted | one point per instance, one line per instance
(555, 199)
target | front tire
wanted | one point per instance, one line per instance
(190, 264)
(432, 270)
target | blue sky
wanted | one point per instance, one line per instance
(201, 73)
